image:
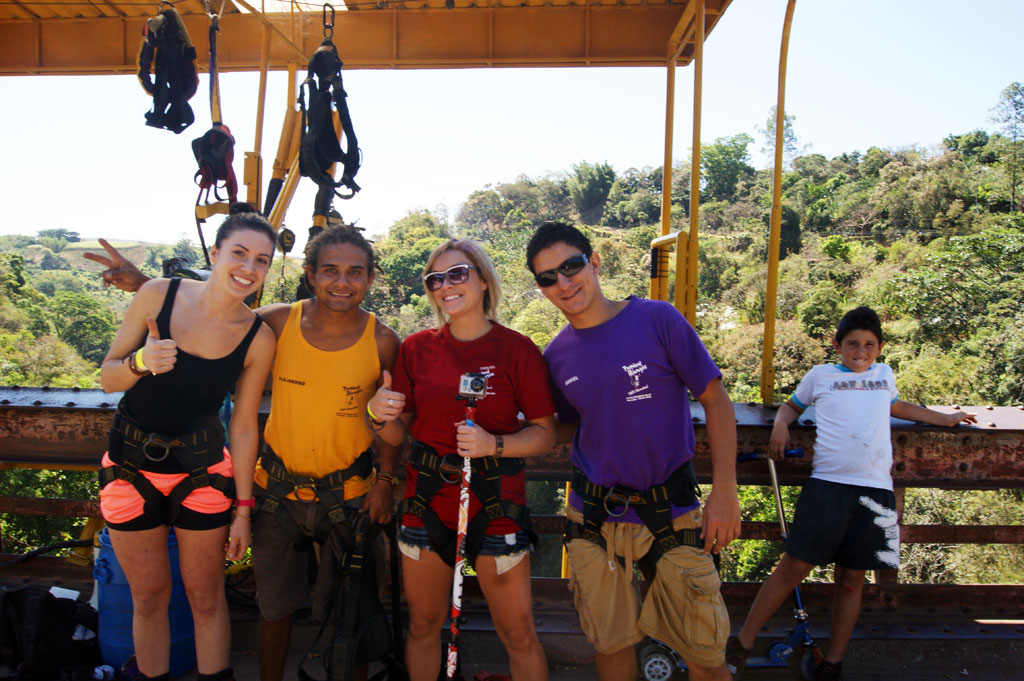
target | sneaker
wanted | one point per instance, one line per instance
(735, 657)
(828, 671)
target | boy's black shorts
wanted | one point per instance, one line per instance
(852, 526)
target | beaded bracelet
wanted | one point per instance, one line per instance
(388, 478)
(133, 367)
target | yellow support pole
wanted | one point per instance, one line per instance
(253, 168)
(659, 269)
(687, 299)
(775, 227)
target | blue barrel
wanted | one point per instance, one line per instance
(115, 609)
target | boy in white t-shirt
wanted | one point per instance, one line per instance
(846, 513)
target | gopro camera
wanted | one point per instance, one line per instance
(472, 386)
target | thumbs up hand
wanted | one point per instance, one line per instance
(386, 404)
(158, 355)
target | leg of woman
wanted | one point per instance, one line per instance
(509, 600)
(143, 557)
(202, 551)
(427, 583)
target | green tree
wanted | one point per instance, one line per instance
(60, 233)
(588, 189)
(55, 244)
(184, 249)
(83, 323)
(789, 139)
(821, 309)
(723, 164)
(1009, 113)
(836, 247)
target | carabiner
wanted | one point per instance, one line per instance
(328, 26)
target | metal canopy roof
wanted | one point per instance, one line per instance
(103, 36)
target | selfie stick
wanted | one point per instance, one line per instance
(460, 550)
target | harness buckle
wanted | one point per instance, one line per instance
(155, 439)
(616, 497)
(450, 468)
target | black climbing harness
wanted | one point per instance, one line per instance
(320, 146)
(166, 48)
(434, 471)
(195, 452)
(653, 505)
(361, 631)
(329, 491)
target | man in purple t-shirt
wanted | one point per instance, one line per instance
(621, 372)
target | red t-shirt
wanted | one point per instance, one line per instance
(429, 366)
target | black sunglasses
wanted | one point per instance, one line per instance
(456, 274)
(568, 268)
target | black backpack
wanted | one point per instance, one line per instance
(37, 636)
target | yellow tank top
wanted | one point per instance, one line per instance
(316, 424)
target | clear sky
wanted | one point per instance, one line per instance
(889, 73)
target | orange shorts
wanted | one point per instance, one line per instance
(120, 502)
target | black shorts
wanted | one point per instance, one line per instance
(852, 526)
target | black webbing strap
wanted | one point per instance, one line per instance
(329, 490)
(434, 471)
(193, 453)
(166, 48)
(652, 505)
(319, 146)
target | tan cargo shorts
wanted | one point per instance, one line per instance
(683, 606)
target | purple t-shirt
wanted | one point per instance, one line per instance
(626, 383)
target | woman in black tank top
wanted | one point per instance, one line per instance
(181, 347)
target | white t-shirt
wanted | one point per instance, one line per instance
(854, 441)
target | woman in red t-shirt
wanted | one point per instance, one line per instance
(421, 400)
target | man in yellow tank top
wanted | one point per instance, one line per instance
(330, 354)
(329, 359)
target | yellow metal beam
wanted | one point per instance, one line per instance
(686, 259)
(775, 226)
(580, 35)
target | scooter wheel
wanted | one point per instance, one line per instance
(802, 663)
(656, 664)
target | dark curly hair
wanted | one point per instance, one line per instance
(339, 234)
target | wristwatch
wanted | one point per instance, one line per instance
(499, 446)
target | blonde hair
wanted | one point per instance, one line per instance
(484, 267)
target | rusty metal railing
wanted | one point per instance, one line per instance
(67, 428)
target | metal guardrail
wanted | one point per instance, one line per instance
(67, 428)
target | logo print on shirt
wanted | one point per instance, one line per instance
(886, 519)
(349, 407)
(572, 380)
(488, 372)
(860, 384)
(635, 373)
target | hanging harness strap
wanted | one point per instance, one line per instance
(215, 150)
(319, 145)
(361, 632)
(329, 490)
(653, 505)
(434, 471)
(167, 48)
(193, 452)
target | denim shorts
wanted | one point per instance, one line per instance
(491, 545)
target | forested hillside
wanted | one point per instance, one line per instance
(931, 238)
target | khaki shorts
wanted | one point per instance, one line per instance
(282, 572)
(683, 606)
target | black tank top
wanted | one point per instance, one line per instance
(189, 397)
